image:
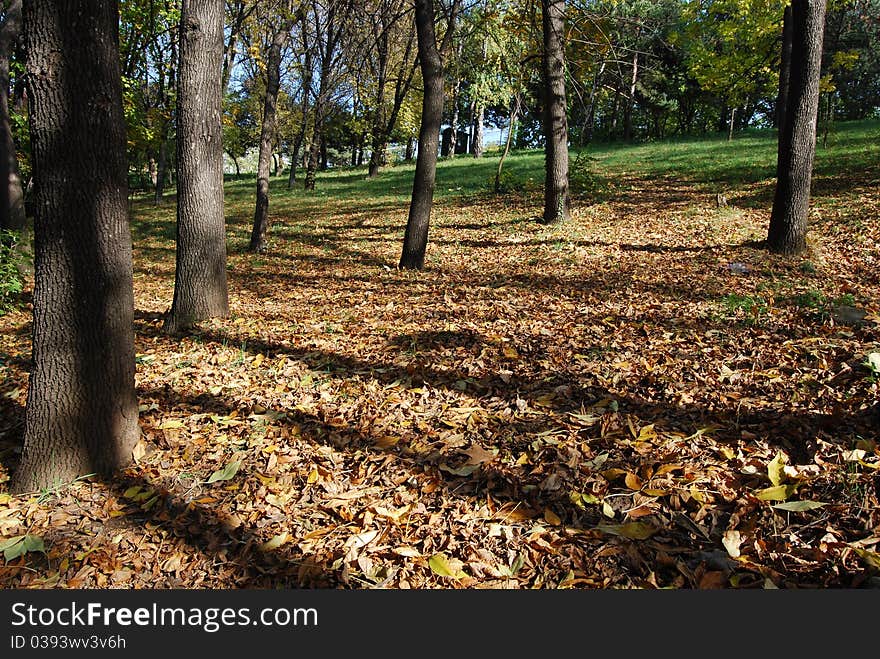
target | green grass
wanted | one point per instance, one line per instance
(598, 172)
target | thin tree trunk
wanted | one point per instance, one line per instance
(453, 136)
(161, 171)
(631, 100)
(12, 214)
(587, 133)
(556, 194)
(81, 415)
(415, 240)
(513, 115)
(478, 132)
(732, 124)
(200, 276)
(267, 138)
(787, 233)
(784, 70)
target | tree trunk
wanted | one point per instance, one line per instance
(453, 136)
(513, 114)
(478, 132)
(81, 414)
(161, 171)
(784, 70)
(631, 100)
(556, 197)
(267, 139)
(732, 124)
(415, 240)
(797, 143)
(408, 156)
(200, 277)
(587, 133)
(12, 215)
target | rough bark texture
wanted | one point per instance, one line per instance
(556, 194)
(81, 414)
(415, 240)
(12, 215)
(267, 139)
(797, 141)
(784, 70)
(200, 278)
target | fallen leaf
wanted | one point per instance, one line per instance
(446, 567)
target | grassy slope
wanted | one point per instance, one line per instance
(515, 406)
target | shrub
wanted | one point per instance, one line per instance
(11, 283)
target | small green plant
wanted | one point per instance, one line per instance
(11, 283)
(845, 300)
(582, 178)
(751, 306)
(810, 300)
(808, 268)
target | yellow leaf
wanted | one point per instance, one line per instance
(509, 351)
(665, 469)
(446, 567)
(170, 424)
(632, 530)
(777, 492)
(313, 476)
(275, 542)
(386, 442)
(258, 360)
(613, 473)
(647, 432)
(775, 469)
(551, 518)
(632, 481)
(4, 499)
(409, 552)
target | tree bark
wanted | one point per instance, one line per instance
(306, 91)
(514, 111)
(631, 100)
(12, 215)
(478, 131)
(415, 240)
(267, 138)
(200, 278)
(556, 194)
(784, 70)
(787, 233)
(81, 414)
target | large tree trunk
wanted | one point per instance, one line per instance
(200, 278)
(267, 139)
(415, 240)
(556, 197)
(81, 414)
(784, 70)
(12, 215)
(797, 142)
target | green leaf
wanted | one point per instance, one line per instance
(777, 493)
(799, 506)
(446, 567)
(775, 469)
(227, 473)
(14, 547)
(873, 362)
(872, 558)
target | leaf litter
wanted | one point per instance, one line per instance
(598, 405)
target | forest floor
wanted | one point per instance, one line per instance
(641, 398)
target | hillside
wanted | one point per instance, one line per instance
(642, 398)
